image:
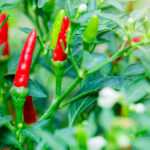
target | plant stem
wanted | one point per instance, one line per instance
(37, 21)
(36, 59)
(109, 60)
(19, 118)
(76, 98)
(73, 61)
(58, 85)
(55, 105)
(29, 144)
(2, 87)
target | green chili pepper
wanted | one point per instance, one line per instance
(81, 137)
(49, 6)
(91, 30)
(56, 28)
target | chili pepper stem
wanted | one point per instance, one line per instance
(59, 71)
(29, 144)
(58, 85)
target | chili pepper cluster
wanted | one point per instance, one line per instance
(24, 104)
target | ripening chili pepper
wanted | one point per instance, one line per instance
(135, 40)
(4, 35)
(29, 112)
(91, 30)
(59, 54)
(19, 91)
(22, 72)
(56, 28)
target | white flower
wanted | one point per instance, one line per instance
(108, 97)
(96, 143)
(82, 8)
(130, 20)
(123, 141)
(139, 108)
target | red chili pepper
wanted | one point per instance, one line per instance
(22, 72)
(59, 54)
(135, 40)
(4, 35)
(29, 112)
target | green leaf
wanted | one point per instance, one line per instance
(41, 3)
(51, 140)
(7, 6)
(92, 5)
(35, 90)
(105, 118)
(69, 138)
(134, 69)
(112, 18)
(31, 132)
(93, 60)
(4, 21)
(76, 108)
(25, 30)
(91, 127)
(4, 120)
(9, 139)
(10, 1)
(142, 143)
(40, 146)
(12, 65)
(41, 123)
(115, 4)
(69, 9)
(117, 82)
(138, 14)
(144, 57)
(1, 49)
(137, 90)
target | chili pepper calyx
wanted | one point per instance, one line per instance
(18, 95)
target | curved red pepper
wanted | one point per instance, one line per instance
(22, 72)
(29, 112)
(59, 54)
(4, 35)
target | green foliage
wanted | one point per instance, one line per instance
(105, 93)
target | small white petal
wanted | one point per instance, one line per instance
(123, 141)
(130, 20)
(139, 108)
(108, 97)
(82, 8)
(96, 143)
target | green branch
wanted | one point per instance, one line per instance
(54, 106)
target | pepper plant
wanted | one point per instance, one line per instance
(74, 74)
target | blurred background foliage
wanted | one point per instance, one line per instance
(129, 78)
